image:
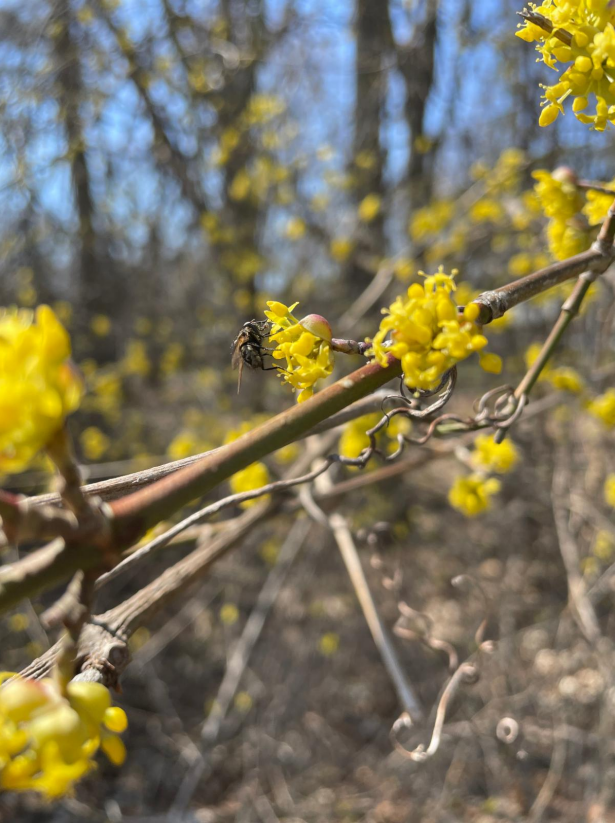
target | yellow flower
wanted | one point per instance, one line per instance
(305, 345)
(295, 228)
(369, 208)
(426, 333)
(486, 210)
(558, 195)
(38, 385)
(353, 439)
(329, 644)
(136, 360)
(252, 477)
(603, 407)
(48, 735)
(566, 379)
(589, 58)
(609, 490)
(341, 248)
(229, 614)
(472, 495)
(492, 456)
(94, 443)
(100, 325)
(598, 204)
(183, 444)
(430, 220)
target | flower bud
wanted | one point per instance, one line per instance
(318, 326)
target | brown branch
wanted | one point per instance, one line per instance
(133, 515)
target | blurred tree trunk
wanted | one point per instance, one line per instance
(70, 94)
(374, 44)
(416, 64)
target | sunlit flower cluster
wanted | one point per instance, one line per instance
(561, 201)
(472, 495)
(38, 385)
(48, 737)
(609, 490)
(304, 344)
(582, 39)
(494, 457)
(425, 331)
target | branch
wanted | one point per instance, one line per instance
(596, 260)
(345, 542)
(134, 514)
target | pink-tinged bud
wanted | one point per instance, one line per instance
(564, 174)
(318, 326)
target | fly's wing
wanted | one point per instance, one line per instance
(240, 374)
(236, 358)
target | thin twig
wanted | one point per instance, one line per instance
(343, 537)
(238, 661)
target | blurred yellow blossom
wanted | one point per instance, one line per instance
(252, 477)
(341, 248)
(295, 228)
(472, 495)
(101, 325)
(486, 210)
(48, 735)
(603, 407)
(229, 614)
(609, 490)
(94, 443)
(353, 439)
(329, 644)
(566, 379)
(38, 385)
(136, 360)
(430, 220)
(604, 545)
(598, 204)
(369, 208)
(492, 456)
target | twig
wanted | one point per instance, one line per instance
(238, 661)
(134, 514)
(162, 540)
(556, 769)
(594, 261)
(582, 608)
(343, 536)
(464, 672)
(116, 487)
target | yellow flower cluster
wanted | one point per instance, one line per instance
(582, 39)
(38, 385)
(603, 407)
(304, 344)
(424, 330)
(48, 737)
(561, 201)
(251, 477)
(431, 219)
(354, 439)
(609, 490)
(494, 457)
(564, 378)
(472, 495)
